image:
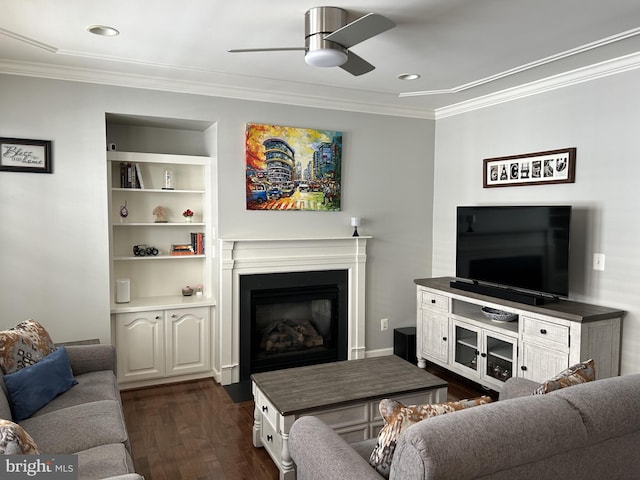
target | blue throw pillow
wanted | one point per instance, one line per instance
(32, 387)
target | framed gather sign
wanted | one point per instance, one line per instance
(552, 166)
(19, 155)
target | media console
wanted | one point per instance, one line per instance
(453, 332)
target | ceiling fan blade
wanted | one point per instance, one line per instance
(361, 29)
(356, 65)
(275, 49)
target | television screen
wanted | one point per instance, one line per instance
(521, 247)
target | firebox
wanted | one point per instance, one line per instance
(292, 319)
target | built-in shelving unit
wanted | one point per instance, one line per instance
(160, 334)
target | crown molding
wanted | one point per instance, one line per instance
(76, 74)
(567, 79)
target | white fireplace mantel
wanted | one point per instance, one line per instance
(254, 256)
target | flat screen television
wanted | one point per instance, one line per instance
(514, 252)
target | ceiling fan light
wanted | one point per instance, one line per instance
(325, 57)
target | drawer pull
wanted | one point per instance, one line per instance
(444, 339)
(265, 408)
(523, 368)
(543, 331)
(433, 300)
(269, 438)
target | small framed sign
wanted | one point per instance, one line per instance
(552, 166)
(19, 155)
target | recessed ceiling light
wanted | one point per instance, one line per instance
(408, 76)
(103, 30)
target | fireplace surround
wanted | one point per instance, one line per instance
(243, 258)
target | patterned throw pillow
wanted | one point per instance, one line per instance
(579, 373)
(399, 417)
(15, 441)
(23, 345)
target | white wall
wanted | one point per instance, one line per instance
(53, 228)
(601, 119)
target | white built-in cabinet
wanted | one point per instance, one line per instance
(157, 344)
(161, 335)
(453, 332)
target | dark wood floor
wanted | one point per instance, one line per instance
(194, 431)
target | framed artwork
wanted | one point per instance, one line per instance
(290, 168)
(19, 155)
(552, 166)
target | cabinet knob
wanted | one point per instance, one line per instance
(157, 317)
(173, 315)
(269, 438)
(483, 355)
(523, 368)
(433, 300)
(543, 331)
(444, 339)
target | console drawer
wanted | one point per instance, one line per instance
(434, 301)
(550, 334)
(266, 408)
(271, 440)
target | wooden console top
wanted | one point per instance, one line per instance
(565, 309)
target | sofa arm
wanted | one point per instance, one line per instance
(321, 454)
(517, 387)
(91, 358)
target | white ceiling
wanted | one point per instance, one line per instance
(463, 49)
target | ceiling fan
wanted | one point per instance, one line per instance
(328, 38)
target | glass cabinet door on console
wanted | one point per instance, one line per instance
(489, 356)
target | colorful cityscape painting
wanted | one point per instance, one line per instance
(290, 168)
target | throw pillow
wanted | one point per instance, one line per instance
(31, 388)
(15, 441)
(579, 373)
(399, 417)
(23, 345)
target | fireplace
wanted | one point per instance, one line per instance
(292, 319)
(241, 259)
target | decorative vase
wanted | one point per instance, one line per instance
(188, 219)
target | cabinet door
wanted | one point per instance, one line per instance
(140, 345)
(499, 355)
(188, 342)
(435, 336)
(539, 364)
(465, 348)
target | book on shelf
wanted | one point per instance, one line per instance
(139, 176)
(197, 240)
(128, 176)
(182, 249)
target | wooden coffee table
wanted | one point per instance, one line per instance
(343, 394)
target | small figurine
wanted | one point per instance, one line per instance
(160, 214)
(124, 212)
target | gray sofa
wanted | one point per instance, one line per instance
(587, 431)
(86, 420)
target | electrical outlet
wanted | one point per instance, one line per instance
(384, 324)
(598, 261)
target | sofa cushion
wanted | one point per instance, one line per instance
(32, 387)
(399, 417)
(91, 387)
(15, 441)
(23, 345)
(85, 426)
(579, 373)
(104, 461)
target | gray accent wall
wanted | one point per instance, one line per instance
(54, 263)
(601, 118)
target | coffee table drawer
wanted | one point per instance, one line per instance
(266, 408)
(342, 417)
(270, 439)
